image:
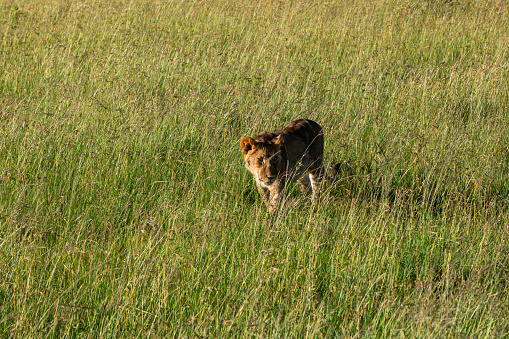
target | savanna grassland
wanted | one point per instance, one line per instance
(126, 211)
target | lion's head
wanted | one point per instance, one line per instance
(263, 157)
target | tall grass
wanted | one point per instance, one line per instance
(125, 210)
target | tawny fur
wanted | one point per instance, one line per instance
(292, 154)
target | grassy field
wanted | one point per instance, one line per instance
(126, 211)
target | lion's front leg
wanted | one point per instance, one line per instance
(264, 192)
(276, 194)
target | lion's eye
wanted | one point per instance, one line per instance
(260, 161)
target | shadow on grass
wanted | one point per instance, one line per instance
(416, 189)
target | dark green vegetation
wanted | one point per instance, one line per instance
(125, 210)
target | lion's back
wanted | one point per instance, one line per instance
(303, 140)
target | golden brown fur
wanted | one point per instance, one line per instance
(275, 159)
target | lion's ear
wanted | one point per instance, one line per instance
(278, 141)
(247, 144)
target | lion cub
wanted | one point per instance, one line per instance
(275, 159)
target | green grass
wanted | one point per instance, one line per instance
(125, 209)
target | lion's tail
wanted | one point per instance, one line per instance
(335, 173)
